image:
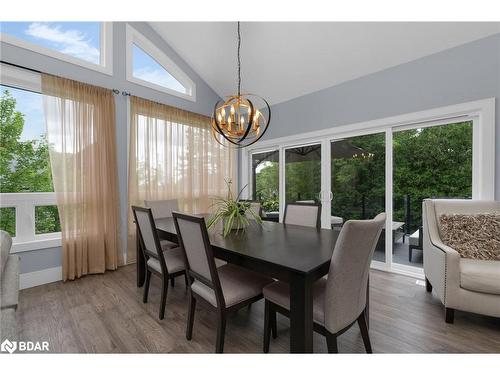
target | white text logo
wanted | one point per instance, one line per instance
(24, 346)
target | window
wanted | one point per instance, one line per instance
(148, 66)
(82, 43)
(147, 69)
(28, 210)
(303, 174)
(265, 180)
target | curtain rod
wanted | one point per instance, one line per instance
(115, 91)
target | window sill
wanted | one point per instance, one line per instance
(42, 243)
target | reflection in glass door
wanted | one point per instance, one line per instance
(303, 174)
(430, 162)
(358, 181)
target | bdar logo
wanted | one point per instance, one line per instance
(8, 346)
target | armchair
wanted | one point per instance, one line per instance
(461, 284)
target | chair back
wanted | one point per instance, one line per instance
(150, 242)
(255, 206)
(193, 238)
(345, 296)
(303, 213)
(162, 208)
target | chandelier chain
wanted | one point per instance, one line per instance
(239, 60)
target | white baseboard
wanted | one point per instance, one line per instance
(31, 279)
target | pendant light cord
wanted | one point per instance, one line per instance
(239, 60)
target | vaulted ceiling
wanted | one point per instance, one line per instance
(284, 60)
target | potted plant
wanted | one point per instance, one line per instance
(233, 213)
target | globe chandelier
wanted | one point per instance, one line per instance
(240, 119)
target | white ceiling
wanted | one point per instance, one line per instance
(284, 60)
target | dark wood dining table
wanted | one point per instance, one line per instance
(295, 254)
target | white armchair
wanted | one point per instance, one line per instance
(462, 284)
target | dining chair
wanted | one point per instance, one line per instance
(226, 289)
(255, 206)
(166, 263)
(340, 300)
(303, 213)
(161, 209)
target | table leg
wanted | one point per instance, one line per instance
(301, 315)
(140, 263)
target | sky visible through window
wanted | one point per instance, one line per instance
(30, 104)
(77, 39)
(147, 69)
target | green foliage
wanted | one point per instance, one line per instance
(431, 162)
(24, 166)
(303, 179)
(8, 220)
(47, 220)
(232, 212)
(267, 187)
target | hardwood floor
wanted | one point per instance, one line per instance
(105, 314)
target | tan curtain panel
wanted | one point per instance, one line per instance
(82, 145)
(173, 155)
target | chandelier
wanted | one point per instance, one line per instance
(241, 119)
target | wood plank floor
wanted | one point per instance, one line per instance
(105, 314)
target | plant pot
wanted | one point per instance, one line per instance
(237, 225)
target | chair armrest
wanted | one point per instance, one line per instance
(441, 262)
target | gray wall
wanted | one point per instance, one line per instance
(205, 98)
(465, 73)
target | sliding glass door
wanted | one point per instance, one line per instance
(303, 174)
(265, 182)
(358, 181)
(428, 162)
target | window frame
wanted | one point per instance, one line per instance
(105, 56)
(135, 37)
(25, 203)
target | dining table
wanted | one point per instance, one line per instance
(298, 255)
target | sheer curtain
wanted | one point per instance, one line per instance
(82, 146)
(172, 154)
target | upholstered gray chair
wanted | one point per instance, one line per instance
(302, 213)
(341, 299)
(255, 206)
(166, 263)
(226, 289)
(162, 209)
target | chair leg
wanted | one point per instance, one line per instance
(331, 342)
(146, 287)
(267, 325)
(363, 327)
(191, 310)
(428, 286)
(163, 301)
(221, 331)
(449, 315)
(186, 280)
(172, 282)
